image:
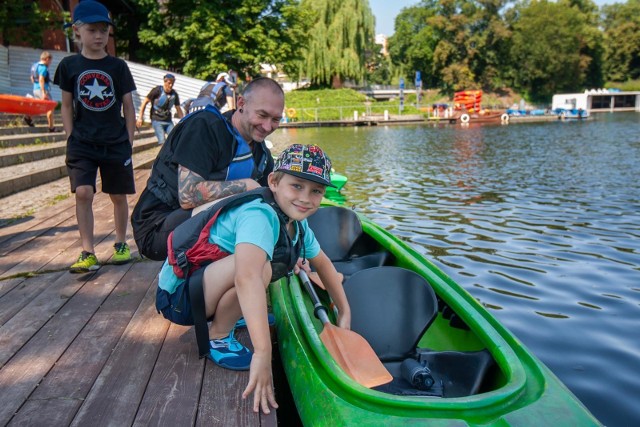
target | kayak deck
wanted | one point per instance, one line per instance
(15, 104)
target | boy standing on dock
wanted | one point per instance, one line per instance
(249, 240)
(96, 87)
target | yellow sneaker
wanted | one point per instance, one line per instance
(86, 262)
(121, 253)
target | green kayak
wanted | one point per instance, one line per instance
(452, 362)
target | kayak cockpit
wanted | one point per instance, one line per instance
(394, 308)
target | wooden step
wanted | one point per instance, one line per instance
(29, 153)
(24, 176)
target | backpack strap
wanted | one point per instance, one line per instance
(196, 296)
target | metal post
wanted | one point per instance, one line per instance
(401, 106)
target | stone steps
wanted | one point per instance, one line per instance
(32, 164)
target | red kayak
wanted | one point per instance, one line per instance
(24, 105)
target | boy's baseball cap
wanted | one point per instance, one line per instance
(169, 77)
(305, 161)
(91, 12)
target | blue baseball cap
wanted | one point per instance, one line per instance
(91, 12)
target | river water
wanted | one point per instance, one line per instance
(539, 222)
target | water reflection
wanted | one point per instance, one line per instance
(540, 222)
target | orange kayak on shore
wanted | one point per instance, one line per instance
(24, 105)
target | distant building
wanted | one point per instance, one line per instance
(598, 100)
(381, 39)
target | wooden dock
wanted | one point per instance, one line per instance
(90, 349)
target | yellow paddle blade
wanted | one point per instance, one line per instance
(355, 356)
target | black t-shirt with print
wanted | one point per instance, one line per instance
(98, 86)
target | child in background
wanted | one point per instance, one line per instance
(96, 93)
(263, 235)
(42, 86)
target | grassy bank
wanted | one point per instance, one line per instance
(339, 104)
(629, 86)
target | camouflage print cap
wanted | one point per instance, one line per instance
(307, 162)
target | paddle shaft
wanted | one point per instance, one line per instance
(318, 309)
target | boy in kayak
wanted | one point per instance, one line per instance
(253, 239)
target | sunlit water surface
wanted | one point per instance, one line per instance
(539, 222)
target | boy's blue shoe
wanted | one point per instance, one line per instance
(242, 324)
(229, 353)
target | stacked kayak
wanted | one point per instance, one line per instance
(468, 99)
(451, 362)
(24, 105)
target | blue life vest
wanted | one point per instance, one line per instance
(242, 164)
(163, 182)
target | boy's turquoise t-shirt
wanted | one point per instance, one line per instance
(253, 222)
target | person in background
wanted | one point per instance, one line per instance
(208, 156)
(41, 80)
(232, 86)
(96, 92)
(163, 99)
(216, 93)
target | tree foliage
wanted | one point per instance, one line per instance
(550, 49)
(340, 34)
(412, 45)
(25, 21)
(202, 38)
(622, 41)
(537, 46)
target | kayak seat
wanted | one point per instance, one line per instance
(456, 373)
(391, 307)
(339, 232)
(461, 372)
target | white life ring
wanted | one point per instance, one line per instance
(504, 118)
(465, 118)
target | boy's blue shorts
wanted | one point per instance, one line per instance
(176, 307)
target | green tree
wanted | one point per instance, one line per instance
(548, 49)
(413, 43)
(341, 32)
(453, 54)
(489, 43)
(205, 37)
(24, 21)
(622, 41)
(591, 41)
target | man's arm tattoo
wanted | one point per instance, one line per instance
(194, 190)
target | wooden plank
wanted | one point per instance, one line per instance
(21, 295)
(117, 392)
(104, 238)
(221, 402)
(41, 343)
(57, 255)
(7, 285)
(26, 224)
(22, 232)
(33, 255)
(59, 396)
(171, 397)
